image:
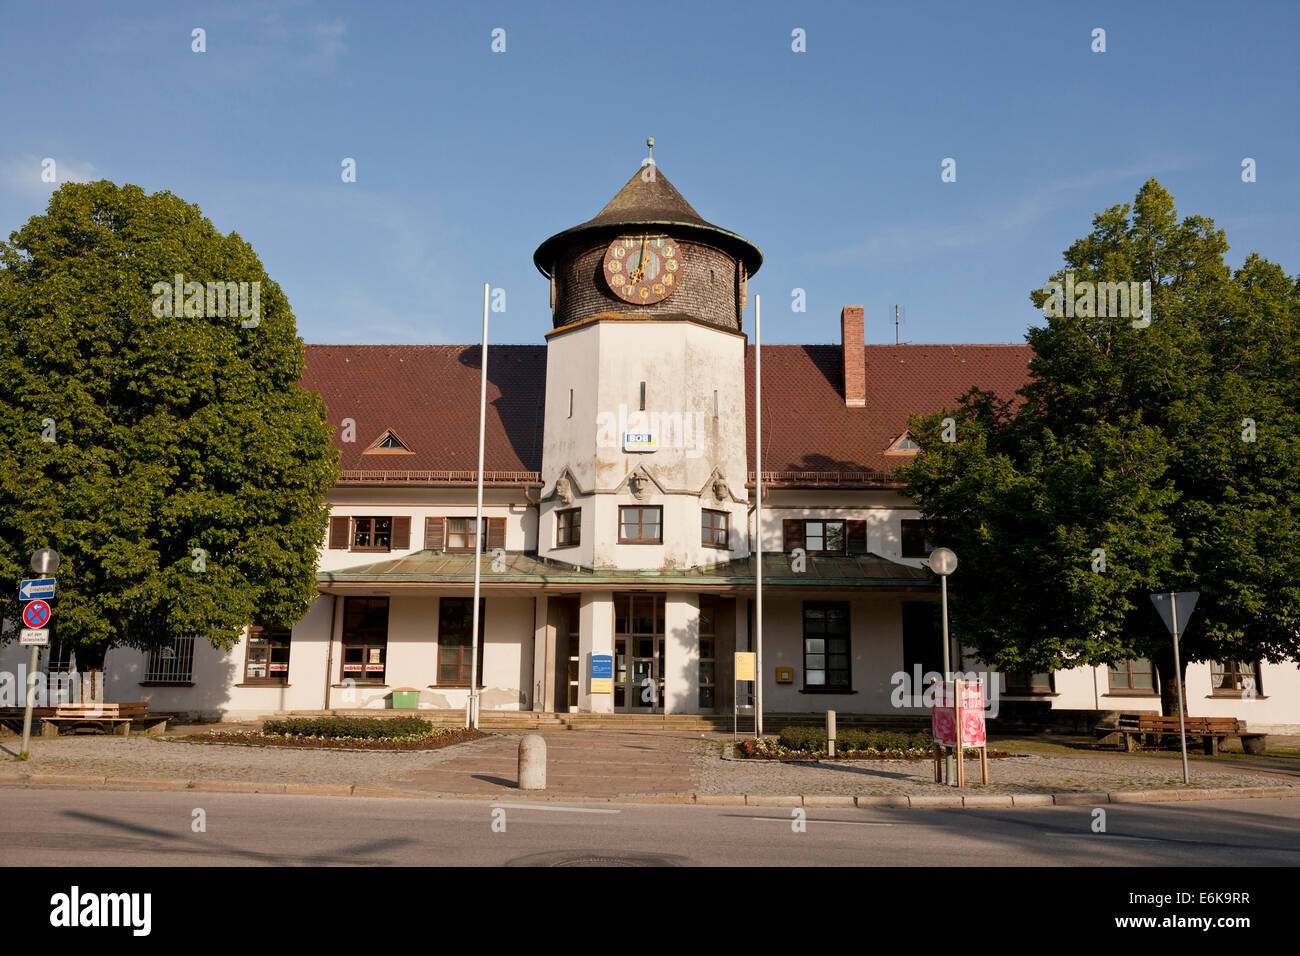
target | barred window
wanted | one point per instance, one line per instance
(173, 664)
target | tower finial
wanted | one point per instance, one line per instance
(650, 142)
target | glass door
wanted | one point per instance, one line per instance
(639, 653)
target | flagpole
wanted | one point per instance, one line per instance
(471, 704)
(758, 516)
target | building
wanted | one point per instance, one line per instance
(619, 512)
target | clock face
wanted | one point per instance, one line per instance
(643, 269)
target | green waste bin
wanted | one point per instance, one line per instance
(406, 698)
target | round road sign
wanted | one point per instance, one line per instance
(36, 614)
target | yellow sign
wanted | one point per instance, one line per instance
(602, 685)
(745, 664)
(785, 675)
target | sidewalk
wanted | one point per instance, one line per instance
(637, 765)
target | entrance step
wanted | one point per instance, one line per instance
(529, 720)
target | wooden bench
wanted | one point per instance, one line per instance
(115, 718)
(1137, 728)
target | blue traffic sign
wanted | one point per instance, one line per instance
(36, 588)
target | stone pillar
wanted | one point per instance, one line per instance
(595, 636)
(543, 689)
(682, 650)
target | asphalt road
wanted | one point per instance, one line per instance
(58, 827)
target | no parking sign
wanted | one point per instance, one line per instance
(36, 614)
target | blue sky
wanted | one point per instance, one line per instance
(829, 159)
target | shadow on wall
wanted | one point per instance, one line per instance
(205, 697)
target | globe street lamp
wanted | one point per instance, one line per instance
(45, 561)
(943, 562)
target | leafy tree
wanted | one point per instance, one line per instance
(1174, 447)
(172, 460)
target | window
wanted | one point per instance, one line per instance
(1234, 679)
(372, 534)
(914, 541)
(570, 403)
(708, 653)
(455, 534)
(388, 444)
(904, 444)
(643, 396)
(568, 528)
(455, 627)
(365, 639)
(639, 524)
(922, 642)
(715, 527)
(1024, 683)
(826, 646)
(825, 536)
(1132, 677)
(267, 659)
(58, 658)
(460, 534)
(171, 665)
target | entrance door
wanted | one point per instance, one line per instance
(639, 653)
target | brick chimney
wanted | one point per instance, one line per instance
(852, 345)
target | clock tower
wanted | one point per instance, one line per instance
(644, 462)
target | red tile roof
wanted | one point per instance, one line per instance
(428, 395)
(808, 428)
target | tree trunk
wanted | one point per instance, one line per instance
(90, 668)
(1168, 687)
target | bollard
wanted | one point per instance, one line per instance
(532, 763)
(830, 733)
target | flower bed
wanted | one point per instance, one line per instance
(809, 743)
(342, 733)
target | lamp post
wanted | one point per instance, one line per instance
(44, 561)
(943, 562)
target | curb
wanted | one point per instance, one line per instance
(821, 801)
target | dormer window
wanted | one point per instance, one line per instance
(388, 444)
(904, 444)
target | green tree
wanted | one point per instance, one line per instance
(1174, 447)
(172, 460)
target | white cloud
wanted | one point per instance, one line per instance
(22, 174)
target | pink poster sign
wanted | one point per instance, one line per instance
(943, 718)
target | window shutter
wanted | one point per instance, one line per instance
(339, 526)
(857, 537)
(435, 534)
(496, 533)
(401, 533)
(793, 529)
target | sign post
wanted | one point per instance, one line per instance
(746, 671)
(1167, 607)
(36, 616)
(957, 722)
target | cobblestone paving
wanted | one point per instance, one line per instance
(610, 763)
(137, 757)
(1026, 773)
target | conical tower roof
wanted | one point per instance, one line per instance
(649, 199)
